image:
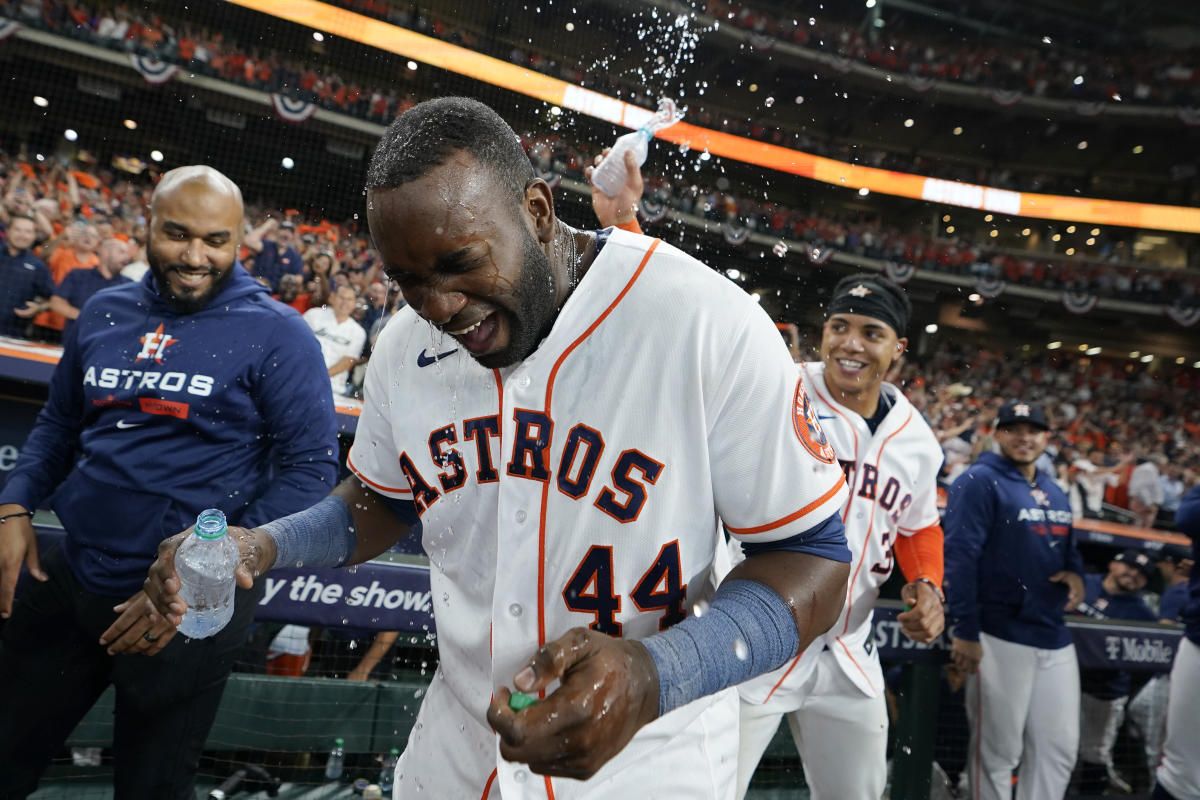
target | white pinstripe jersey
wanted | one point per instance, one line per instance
(583, 485)
(892, 476)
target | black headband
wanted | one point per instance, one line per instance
(868, 298)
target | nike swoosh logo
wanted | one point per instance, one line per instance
(123, 425)
(424, 360)
(826, 417)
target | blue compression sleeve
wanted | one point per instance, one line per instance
(321, 536)
(747, 630)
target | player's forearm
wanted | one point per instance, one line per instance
(813, 587)
(376, 527)
(60, 306)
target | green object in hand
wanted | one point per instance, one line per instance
(520, 700)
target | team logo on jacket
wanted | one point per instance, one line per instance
(808, 429)
(154, 343)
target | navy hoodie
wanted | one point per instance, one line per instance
(1004, 539)
(1187, 519)
(172, 413)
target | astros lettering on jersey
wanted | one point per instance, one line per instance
(583, 486)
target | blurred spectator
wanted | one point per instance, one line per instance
(1115, 595)
(1173, 488)
(273, 246)
(79, 285)
(76, 251)
(25, 282)
(376, 297)
(1146, 490)
(291, 294)
(341, 338)
(1089, 477)
(380, 645)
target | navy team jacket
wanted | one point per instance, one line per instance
(1187, 519)
(154, 416)
(1004, 539)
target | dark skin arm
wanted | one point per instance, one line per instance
(609, 687)
(376, 526)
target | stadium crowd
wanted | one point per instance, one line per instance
(217, 54)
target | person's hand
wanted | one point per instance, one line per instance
(358, 675)
(608, 690)
(622, 209)
(31, 309)
(257, 555)
(926, 618)
(138, 630)
(1074, 584)
(18, 545)
(966, 655)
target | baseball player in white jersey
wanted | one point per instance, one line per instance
(832, 693)
(569, 414)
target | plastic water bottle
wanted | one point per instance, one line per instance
(609, 177)
(387, 771)
(335, 764)
(205, 563)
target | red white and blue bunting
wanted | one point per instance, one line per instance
(900, 273)
(1078, 302)
(991, 288)
(1187, 317)
(735, 233)
(652, 209)
(289, 109)
(1004, 98)
(153, 71)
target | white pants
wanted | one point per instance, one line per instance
(1099, 722)
(1179, 773)
(840, 733)
(1147, 712)
(1023, 707)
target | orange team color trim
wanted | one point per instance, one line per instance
(854, 661)
(549, 787)
(920, 555)
(783, 677)
(487, 787)
(870, 526)
(829, 402)
(370, 482)
(795, 515)
(549, 396)
(493, 71)
(45, 358)
(631, 226)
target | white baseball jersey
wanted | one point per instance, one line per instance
(892, 476)
(582, 487)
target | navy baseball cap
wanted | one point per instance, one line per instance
(1019, 411)
(1138, 560)
(1174, 554)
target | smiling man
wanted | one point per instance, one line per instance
(1012, 568)
(188, 390)
(570, 415)
(832, 693)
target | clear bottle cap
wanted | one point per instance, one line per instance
(210, 523)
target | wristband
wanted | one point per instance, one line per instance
(936, 589)
(746, 631)
(7, 517)
(321, 536)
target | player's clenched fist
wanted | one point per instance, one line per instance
(257, 554)
(926, 617)
(608, 689)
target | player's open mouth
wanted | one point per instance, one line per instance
(191, 278)
(476, 337)
(852, 367)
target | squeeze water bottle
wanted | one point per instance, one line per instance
(609, 177)
(336, 762)
(205, 563)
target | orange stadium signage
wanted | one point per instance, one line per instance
(531, 83)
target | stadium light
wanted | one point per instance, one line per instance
(131, 124)
(1137, 149)
(70, 135)
(1054, 345)
(863, 192)
(1056, 237)
(1078, 80)
(1083, 347)
(949, 229)
(908, 123)
(1093, 351)
(975, 297)
(570, 26)
(1070, 229)
(1025, 231)
(987, 218)
(1180, 360)
(1047, 40)
(994, 233)
(287, 162)
(1091, 240)
(1082, 145)
(1070, 251)
(1095, 231)
(1196, 365)
(40, 101)
(733, 274)
(931, 327)
(945, 218)
(1135, 354)
(156, 155)
(318, 36)
(1146, 359)
(412, 65)
(958, 130)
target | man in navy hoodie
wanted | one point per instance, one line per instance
(188, 390)
(1012, 568)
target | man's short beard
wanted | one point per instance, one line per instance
(188, 304)
(536, 311)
